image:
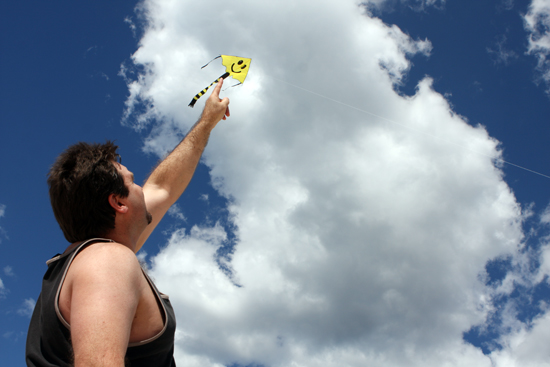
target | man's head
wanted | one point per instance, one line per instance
(80, 182)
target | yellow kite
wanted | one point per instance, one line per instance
(235, 66)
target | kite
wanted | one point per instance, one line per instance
(235, 66)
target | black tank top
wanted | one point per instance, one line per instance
(49, 337)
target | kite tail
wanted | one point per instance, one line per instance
(200, 94)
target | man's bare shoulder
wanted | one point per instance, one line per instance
(104, 288)
(105, 259)
(103, 278)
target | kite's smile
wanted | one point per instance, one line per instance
(239, 63)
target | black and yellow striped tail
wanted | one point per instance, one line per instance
(201, 93)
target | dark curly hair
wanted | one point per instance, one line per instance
(80, 182)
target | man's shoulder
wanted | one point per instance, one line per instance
(105, 259)
(107, 251)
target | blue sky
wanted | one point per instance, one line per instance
(353, 191)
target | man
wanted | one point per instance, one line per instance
(97, 307)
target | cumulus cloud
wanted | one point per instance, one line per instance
(523, 345)
(363, 218)
(537, 23)
(527, 346)
(521, 321)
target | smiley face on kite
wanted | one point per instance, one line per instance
(236, 67)
(241, 62)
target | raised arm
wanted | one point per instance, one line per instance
(170, 178)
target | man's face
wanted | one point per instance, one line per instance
(136, 198)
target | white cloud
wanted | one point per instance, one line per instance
(364, 218)
(2, 210)
(521, 342)
(543, 272)
(526, 346)
(27, 307)
(537, 23)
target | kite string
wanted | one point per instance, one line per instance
(500, 160)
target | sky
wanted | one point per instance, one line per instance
(378, 196)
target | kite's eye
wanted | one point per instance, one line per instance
(241, 63)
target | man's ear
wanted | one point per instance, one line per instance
(118, 203)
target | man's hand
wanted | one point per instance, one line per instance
(215, 108)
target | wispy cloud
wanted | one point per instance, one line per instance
(27, 307)
(8, 270)
(537, 23)
(506, 5)
(500, 53)
(175, 212)
(417, 5)
(14, 336)
(92, 50)
(131, 25)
